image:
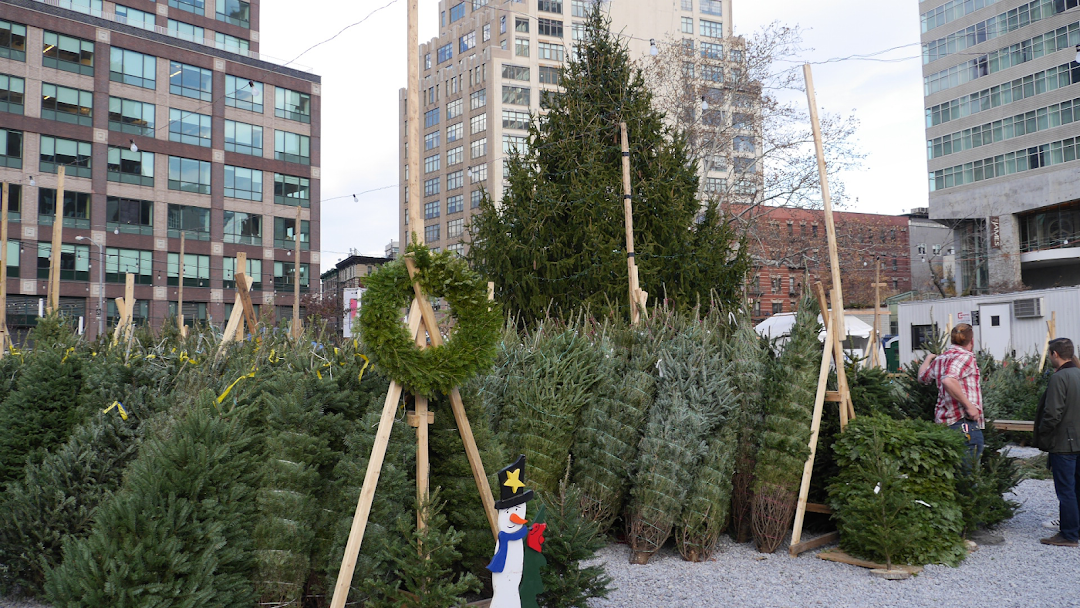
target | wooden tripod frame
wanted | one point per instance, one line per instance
(421, 320)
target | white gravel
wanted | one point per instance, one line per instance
(1019, 573)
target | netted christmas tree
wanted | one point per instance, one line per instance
(692, 397)
(747, 357)
(708, 503)
(786, 430)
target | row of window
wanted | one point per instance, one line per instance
(1034, 121)
(999, 25)
(1004, 94)
(951, 11)
(1045, 155)
(706, 28)
(454, 204)
(1065, 37)
(236, 12)
(76, 55)
(455, 229)
(455, 179)
(708, 7)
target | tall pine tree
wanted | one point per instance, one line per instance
(558, 237)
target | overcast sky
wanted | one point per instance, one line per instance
(363, 68)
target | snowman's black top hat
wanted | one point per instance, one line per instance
(511, 482)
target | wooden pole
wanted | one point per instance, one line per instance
(875, 337)
(1051, 329)
(412, 135)
(54, 258)
(296, 329)
(421, 421)
(628, 219)
(815, 427)
(180, 291)
(4, 203)
(129, 311)
(243, 291)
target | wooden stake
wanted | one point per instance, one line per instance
(243, 290)
(1051, 329)
(815, 426)
(628, 219)
(423, 467)
(4, 203)
(54, 258)
(129, 300)
(180, 291)
(121, 312)
(412, 132)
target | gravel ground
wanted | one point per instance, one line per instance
(1019, 573)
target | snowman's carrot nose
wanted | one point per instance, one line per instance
(515, 518)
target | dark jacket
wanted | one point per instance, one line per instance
(1057, 421)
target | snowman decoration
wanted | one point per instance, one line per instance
(508, 563)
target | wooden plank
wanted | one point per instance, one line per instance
(121, 312)
(243, 289)
(833, 396)
(1051, 328)
(816, 507)
(427, 313)
(825, 539)
(815, 426)
(628, 221)
(836, 555)
(1013, 425)
(129, 312)
(367, 495)
(822, 304)
(57, 231)
(423, 466)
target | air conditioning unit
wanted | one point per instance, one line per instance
(1028, 308)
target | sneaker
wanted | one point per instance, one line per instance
(1052, 524)
(1059, 541)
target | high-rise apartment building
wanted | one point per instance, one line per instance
(492, 66)
(167, 122)
(1002, 93)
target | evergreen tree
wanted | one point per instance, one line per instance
(708, 503)
(786, 435)
(558, 238)
(179, 532)
(571, 540)
(748, 361)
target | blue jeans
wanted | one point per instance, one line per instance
(1066, 481)
(974, 438)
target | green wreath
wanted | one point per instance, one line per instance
(470, 349)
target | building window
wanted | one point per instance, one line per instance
(549, 75)
(455, 204)
(11, 148)
(521, 47)
(74, 154)
(192, 6)
(285, 233)
(76, 210)
(431, 186)
(243, 138)
(715, 185)
(129, 167)
(431, 118)
(549, 27)
(477, 174)
(120, 262)
(253, 270)
(710, 29)
(777, 284)
(243, 183)
(189, 128)
(194, 312)
(478, 147)
(455, 228)
(777, 307)
(687, 25)
(12, 40)
(133, 68)
(233, 44)
(65, 104)
(474, 199)
(580, 8)
(243, 228)
(427, 61)
(74, 261)
(515, 144)
(444, 53)
(189, 175)
(577, 32)
(453, 108)
(478, 124)
(547, 50)
(292, 105)
(67, 53)
(291, 190)
(194, 222)
(431, 163)
(129, 215)
(454, 156)
(129, 116)
(550, 6)
(431, 210)
(466, 42)
(477, 99)
(186, 31)
(711, 7)
(921, 248)
(244, 94)
(457, 12)
(455, 180)
(292, 147)
(515, 72)
(431, 140)
(236, 12)
(196, 270)
(521, 24)
(12, 93)
(455, 132)
(513, 119)
(518, 96)
(284, 275)
(486, 33)
(431, 233)
(190, 81)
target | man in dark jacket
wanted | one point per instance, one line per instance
(1057, 431)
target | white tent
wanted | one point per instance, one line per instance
(777, 329)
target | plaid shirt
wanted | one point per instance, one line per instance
(959, 363)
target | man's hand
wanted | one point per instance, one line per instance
(953, 387)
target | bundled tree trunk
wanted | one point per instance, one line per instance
(692, 397)
(785, 439)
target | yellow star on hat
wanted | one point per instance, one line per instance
(512, 480)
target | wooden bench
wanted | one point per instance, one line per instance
(1014, 425)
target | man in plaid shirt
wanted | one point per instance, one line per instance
(959, 403)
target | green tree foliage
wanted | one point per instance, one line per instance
(692, 397)
(786, 435)
(179, 532)
(916, 463)
(708, 503)
(917, 400)
(982, 492)
(572, 540)
(557, 239)
(748, 359)
(1012, 391)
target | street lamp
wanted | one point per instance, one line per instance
(101, 284)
